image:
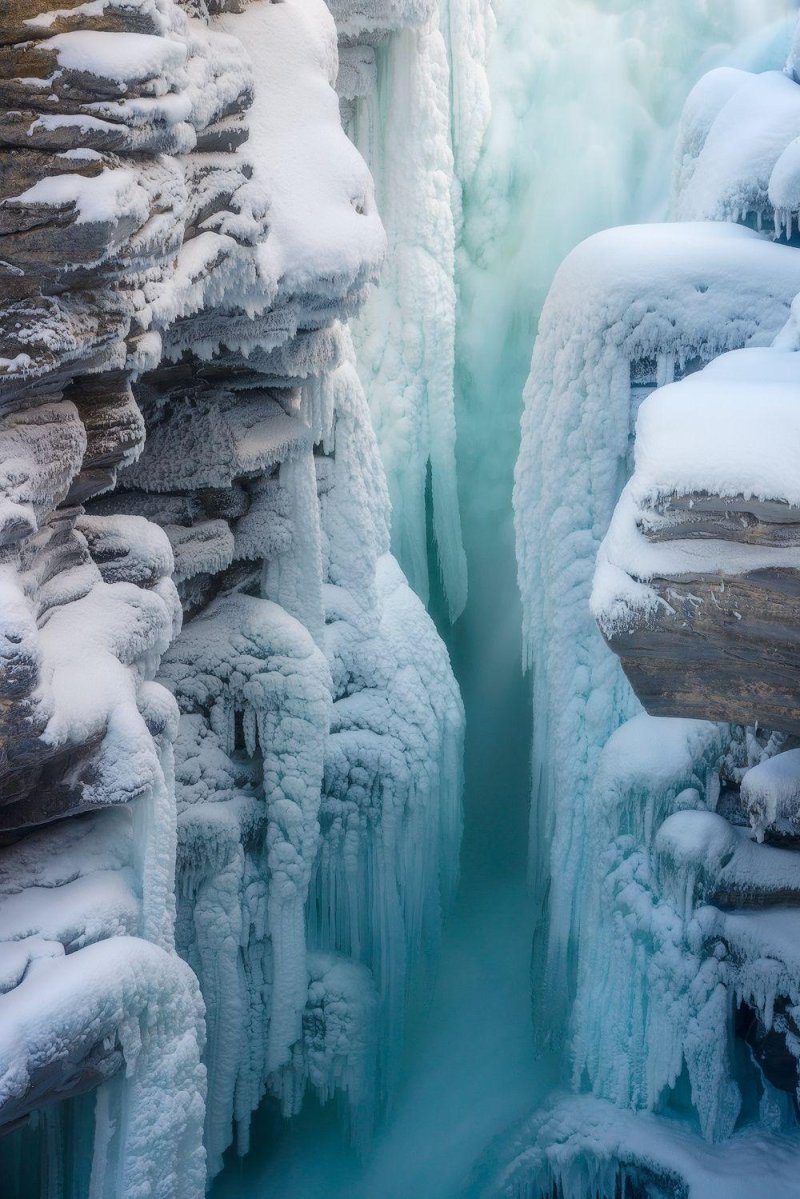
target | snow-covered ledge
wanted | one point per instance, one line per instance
(698, 577)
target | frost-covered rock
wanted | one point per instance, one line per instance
(771, 795)
(736, 152)
(629, 309)
(658, 474)
(188, 474)
(585, 1147)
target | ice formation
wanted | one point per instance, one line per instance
(231, 750)
(415, 99)
(629, 309)
(657, 476)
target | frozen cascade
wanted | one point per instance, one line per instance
(418, 118)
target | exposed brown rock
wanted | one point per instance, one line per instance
(725, 648)
(751, 521)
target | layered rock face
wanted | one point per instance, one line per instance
(659, 477)
(228, 726)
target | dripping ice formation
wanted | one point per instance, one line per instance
(416, 104)
(231, 755)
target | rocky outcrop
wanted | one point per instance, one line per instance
(697, 586)
(98, 106)
(632, 311)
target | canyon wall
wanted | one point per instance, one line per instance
(656, 492)
(231, 740)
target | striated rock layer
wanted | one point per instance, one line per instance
(229, 734)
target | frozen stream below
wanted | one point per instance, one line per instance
(585, 100)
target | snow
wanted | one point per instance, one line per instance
(127, 549)
(326, 236)
(212, 442)
(716, 431)
(125, 988)
(205, 547)
(72, 885)
(359, 17)
(109, 635)
(627, 561)
(128, 58)
(771, 792)
(42, 450)
(110, 196)
(585, 1147)
(150, 11)
(736, 128)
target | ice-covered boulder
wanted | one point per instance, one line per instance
(737, 150)
(771, 796)
(585, 1147)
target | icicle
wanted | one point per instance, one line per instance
(217, 915)
(156, 835)
(391, 800)
(405, 337)
(355, 507)
(294, 579)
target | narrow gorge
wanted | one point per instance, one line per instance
(399, 735)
